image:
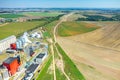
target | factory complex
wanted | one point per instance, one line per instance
(22, 56)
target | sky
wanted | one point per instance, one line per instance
(59, 3)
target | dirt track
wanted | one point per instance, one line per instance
(64, 18)
(96, 53)
(96, 63)
(3, 24)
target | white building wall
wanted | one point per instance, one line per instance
(5, 43)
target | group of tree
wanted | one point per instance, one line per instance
(99, 18)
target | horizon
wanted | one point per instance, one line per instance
(60, 4)
(55, 8)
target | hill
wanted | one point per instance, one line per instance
(71, 28)
(107, 36)
(96, 53)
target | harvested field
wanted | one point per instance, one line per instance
(95, 63)
(96, 53)
(75, 17)
(107, 36)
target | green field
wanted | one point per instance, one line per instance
(18, 28)
(11, 15)
(49, 27)
(46, 34)
(74, 28)
(59, 75)
(43, 74)
(70, 68)
(42, 14)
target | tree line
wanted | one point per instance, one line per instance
(99, 18)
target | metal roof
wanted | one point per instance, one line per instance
(32, 68)
(40, 55)
(9, 60)
(10, 37)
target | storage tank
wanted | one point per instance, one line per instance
(23, 40)
(19, 44)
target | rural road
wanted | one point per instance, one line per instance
(1, 25)
(64, 18)
(61, 66)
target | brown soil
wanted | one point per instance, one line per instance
(96, 63)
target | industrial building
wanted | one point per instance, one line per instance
(23, 41)
(28, 48)
(2, 20)
(36, 35)
(40, 57)
(12, 64)
(30, 71)
(32, 68)
(4, 74)
(5, 43)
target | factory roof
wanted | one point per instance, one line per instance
(10, 37)
(40, 55)
(9, 60)
(32, 68)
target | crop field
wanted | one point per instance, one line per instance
(11, 15)
(42, 14)
(18, 28)
(74, 28)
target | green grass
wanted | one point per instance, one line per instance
(59, 75)
(49, 27)
(42, 14)
(11, 15)
(43, 74)
(74, 28)
(70, 68)
(46, 34)
(18, 28)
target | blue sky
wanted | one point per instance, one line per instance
(60, 3)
